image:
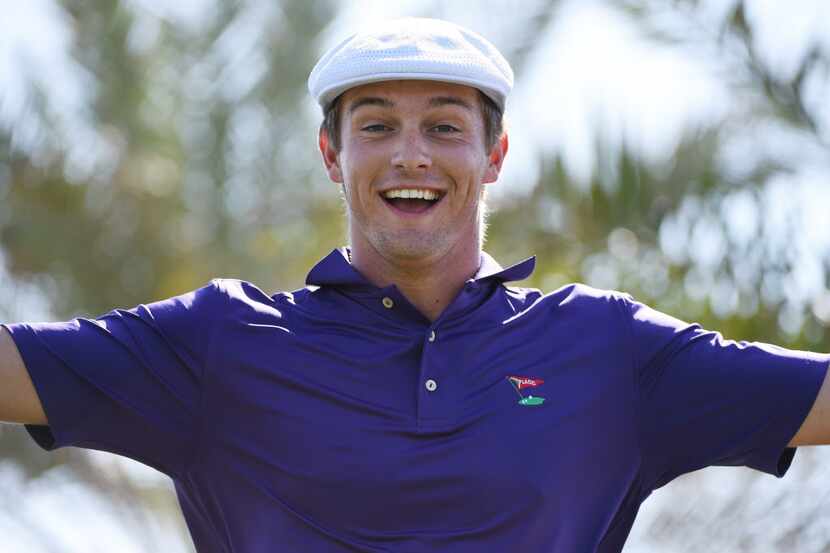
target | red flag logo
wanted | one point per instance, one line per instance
(523, 382)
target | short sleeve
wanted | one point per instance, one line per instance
(128, 382)
(705, 400)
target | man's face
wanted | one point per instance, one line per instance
(412, 138)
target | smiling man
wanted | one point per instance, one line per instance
(414, 157)
(408, 399)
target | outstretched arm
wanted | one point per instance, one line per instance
(19, 401)
(815, 430)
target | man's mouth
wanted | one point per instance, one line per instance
(412, 201)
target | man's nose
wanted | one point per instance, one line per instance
(411, 152)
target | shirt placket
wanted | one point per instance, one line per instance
(439, 397)
(431, 394)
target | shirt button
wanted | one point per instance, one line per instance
(432, 336)
(387, 302)
(431, 385)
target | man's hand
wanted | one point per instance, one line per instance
(18, 399)
(815, 430)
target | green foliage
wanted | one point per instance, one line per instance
(171, 204)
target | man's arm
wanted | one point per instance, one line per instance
(815, 430)
(19, 401)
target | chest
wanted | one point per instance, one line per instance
(355, 437)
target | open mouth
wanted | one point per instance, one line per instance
(412, 205)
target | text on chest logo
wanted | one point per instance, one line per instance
(521, 382)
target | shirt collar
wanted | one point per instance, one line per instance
(335, 269)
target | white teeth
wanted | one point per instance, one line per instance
(410, 193)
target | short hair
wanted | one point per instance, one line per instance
(491, 113)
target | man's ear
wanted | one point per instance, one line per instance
(496, 158)
(330, 158)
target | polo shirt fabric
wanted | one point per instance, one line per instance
(338, 418)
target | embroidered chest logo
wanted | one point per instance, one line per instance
(519, 383)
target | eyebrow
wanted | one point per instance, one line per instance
(439, 101)
(434, 102)
(370, 101)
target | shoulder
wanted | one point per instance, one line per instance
(218, 298)
(593, 305)
(215, 295)
(579, 304)
(240, 295)
(583, 294)
(571, 296)
(234, 289)
(241, 292)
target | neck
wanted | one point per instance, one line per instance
(429, 284)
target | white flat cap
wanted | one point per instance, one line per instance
(412, 48)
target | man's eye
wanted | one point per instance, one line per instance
(375, 128)
(445, 128)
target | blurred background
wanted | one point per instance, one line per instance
(676, 150)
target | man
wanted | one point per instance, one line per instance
(408, 399)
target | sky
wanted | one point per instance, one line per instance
(593, 63)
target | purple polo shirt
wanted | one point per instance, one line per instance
(338, 418)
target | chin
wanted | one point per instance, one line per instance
(409, 246)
